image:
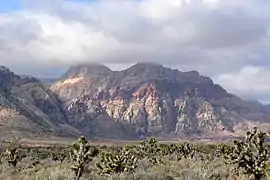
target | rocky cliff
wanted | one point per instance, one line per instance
(143, 100)
(30, 109)
(150, 99)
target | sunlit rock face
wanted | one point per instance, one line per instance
(150, 99)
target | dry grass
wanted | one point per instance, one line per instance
(185, 169)
(212, 168)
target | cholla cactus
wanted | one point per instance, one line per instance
(81, 153)
(151, 150)
(165, 150)
(124, 161)
(251, 155)
(185, 150)
(223, 150)
(12, 154)
(59, 155)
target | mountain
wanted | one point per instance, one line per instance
(267, 108)
(150, 99)
(44, 80)
(47, 81)
(28, 109)
(143, 100)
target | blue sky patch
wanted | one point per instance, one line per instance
(9, 5)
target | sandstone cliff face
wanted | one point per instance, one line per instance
(91, 119)
(149, 99)
(28, 108)
(143, 100)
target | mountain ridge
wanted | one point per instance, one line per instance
(150, 98)
(146, 99)
(29, 109)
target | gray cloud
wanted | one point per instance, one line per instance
(250, 82)
(17, 31)
(216, 37)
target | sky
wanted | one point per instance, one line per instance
(227, 40)
(9, 5)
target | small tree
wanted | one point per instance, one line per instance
(251, 155)
(81, 153)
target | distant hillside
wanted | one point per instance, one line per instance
(144, 100)
(267, 108)
(47, 81)
(30, 109)
(150, 99)
(44, 80)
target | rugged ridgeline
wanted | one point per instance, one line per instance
(267, 108)
(143, 100)
(29, 109)
(150, 99)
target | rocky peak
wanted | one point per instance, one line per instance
(147, 70)
(146, 65)
(86, 69)
(29, 79)
(99, 79)
(153, 99)
(4, 69)
(7, 78)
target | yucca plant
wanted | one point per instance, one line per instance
(251, 155)
(12, 154)
(81, 153)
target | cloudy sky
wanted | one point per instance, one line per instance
(227, 40)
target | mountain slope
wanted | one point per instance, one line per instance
(267, 108)
(151, 99)
(29, 109)
(143, 100)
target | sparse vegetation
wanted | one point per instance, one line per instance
(12, 154)
(81, 153)
(248, 159)
(251, 155)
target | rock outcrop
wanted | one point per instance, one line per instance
(143, 100)
(150, 99)
(28, 108)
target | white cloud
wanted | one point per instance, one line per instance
(216, 37)
(248, 82)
